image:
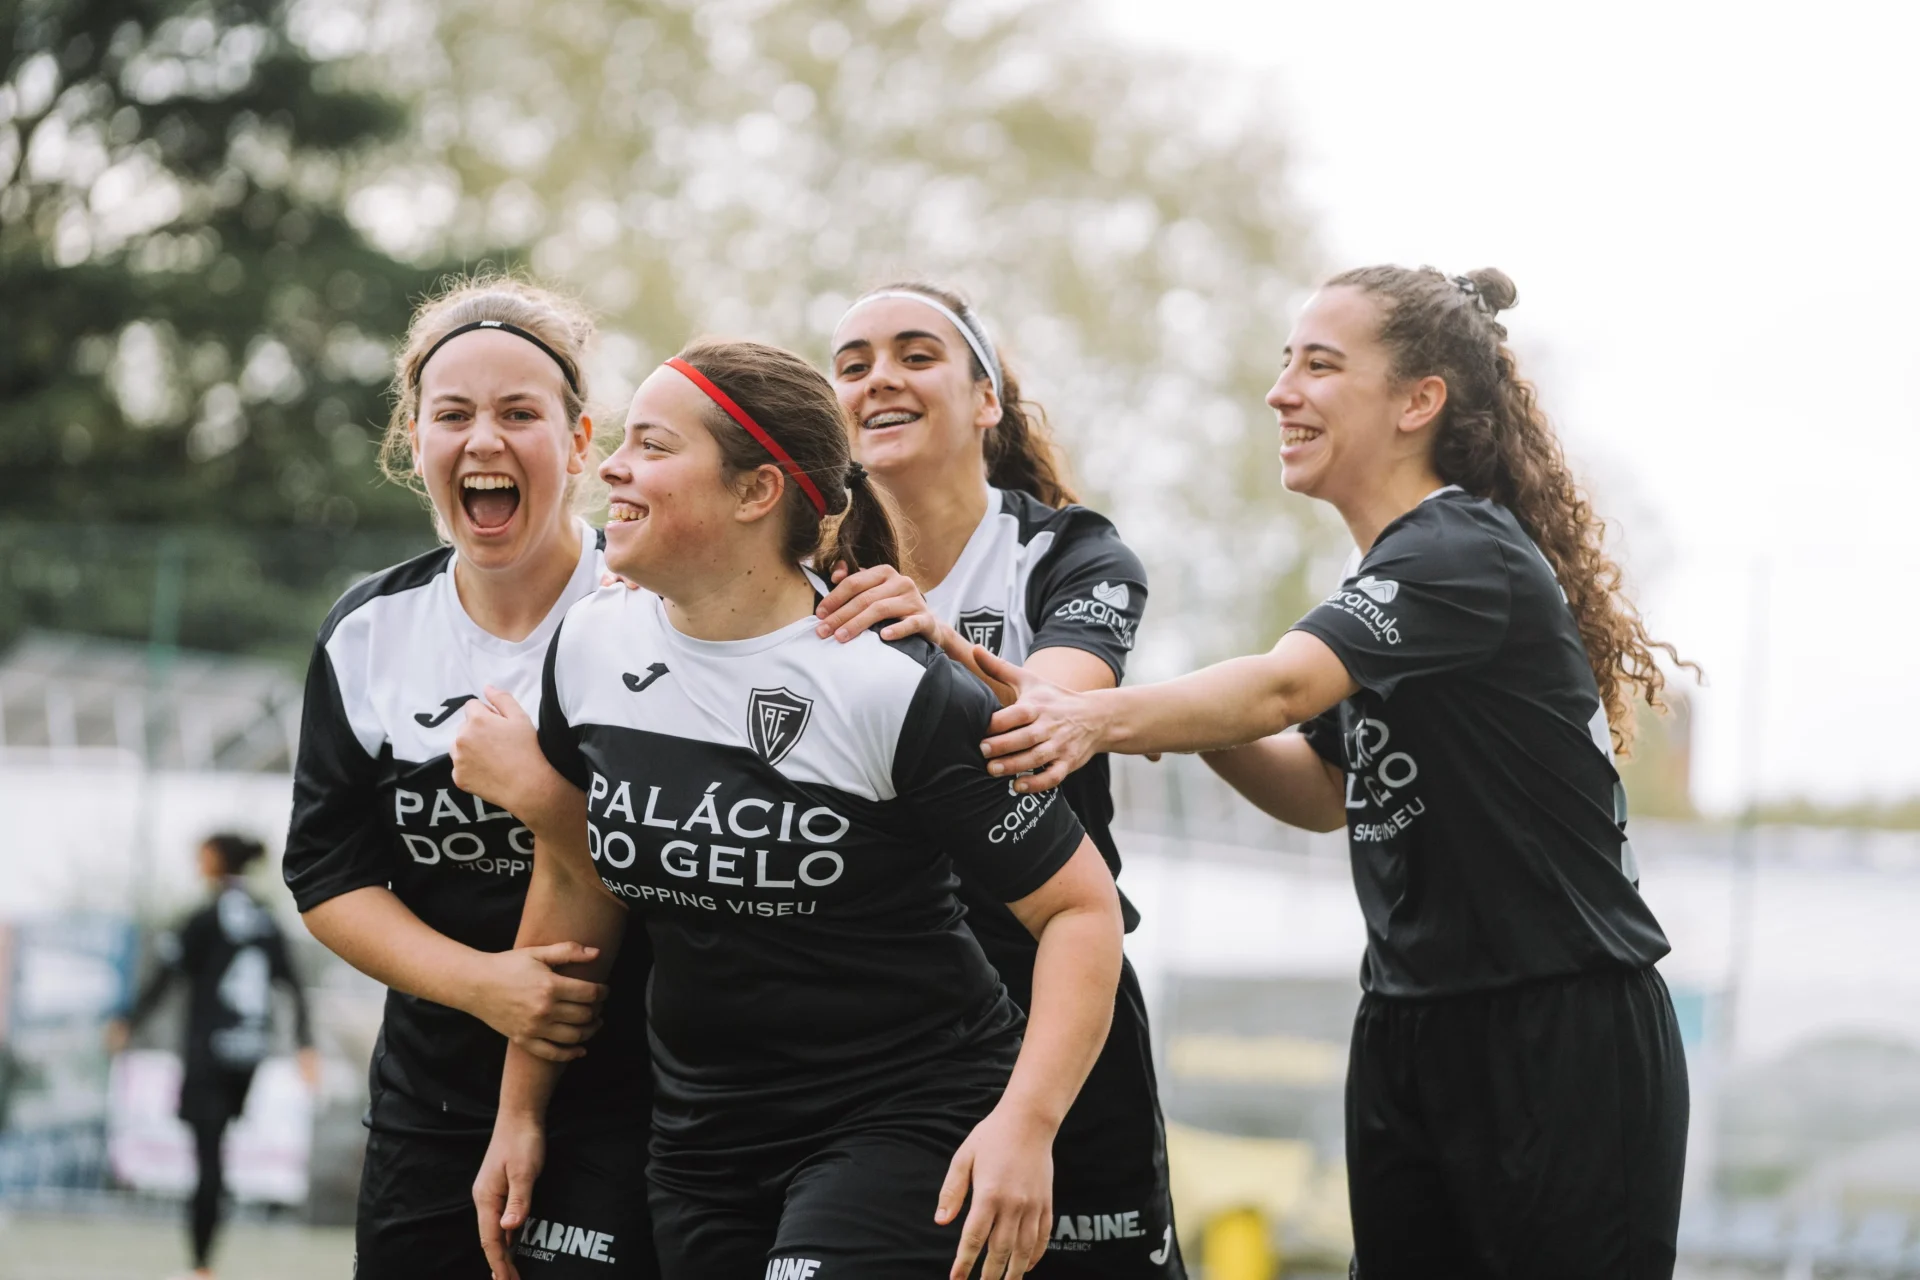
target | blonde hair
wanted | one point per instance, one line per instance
(557, 320)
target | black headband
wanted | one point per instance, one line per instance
(566, 370)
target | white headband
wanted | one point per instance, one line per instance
(976, 340)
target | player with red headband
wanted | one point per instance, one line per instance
(843, 1087)
(1006, 558)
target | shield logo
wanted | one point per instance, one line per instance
(984, 627)
(775, 720)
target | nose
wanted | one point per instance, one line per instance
(484, 440)
(1283, 396)
(884, 376)
(614, 469)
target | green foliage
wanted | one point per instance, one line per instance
(196, 334)
(748, 166)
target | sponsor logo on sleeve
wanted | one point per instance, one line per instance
(1104, 606)
(1013, 825)
(984, 627)
(1381, 589)
(775, 720)
(1362, 600)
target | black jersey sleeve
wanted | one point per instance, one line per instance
(336, 842)
(1007, 843)
(1089, 592)
(1432, 596)
(1323, 735)
(558, 742)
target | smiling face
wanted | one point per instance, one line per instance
(905, 377)
(671, 514)
(1345, 419)
(493, 444)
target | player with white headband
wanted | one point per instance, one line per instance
(1002, 556)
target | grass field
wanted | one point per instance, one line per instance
(35, 1246)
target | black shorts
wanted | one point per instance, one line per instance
(1113, 1213)
(214, 1095)
(1535, 1131)
(855, 1202)
(416, 1219)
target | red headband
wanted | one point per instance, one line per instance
(754, 429)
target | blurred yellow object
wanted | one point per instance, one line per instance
(1238, 1245)
(1281, 1060)
(1279, 1180)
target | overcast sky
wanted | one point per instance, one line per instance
(1712, 213)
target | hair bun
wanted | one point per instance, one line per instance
(1494, 288)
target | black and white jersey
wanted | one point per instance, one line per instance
(786, 813)
(231, 955)
(1035, 577)
(1486, 821)
(374, 804)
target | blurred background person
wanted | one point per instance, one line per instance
(231, 955)
(1001, 554)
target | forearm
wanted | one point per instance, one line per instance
(1286, 779)
(376, 933)
(565, 902)
(1075, 974)
(1225, 705)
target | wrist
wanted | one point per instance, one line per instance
(1038, 1115)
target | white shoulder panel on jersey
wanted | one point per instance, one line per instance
(408, 661)
(984, 596)
(817, 710)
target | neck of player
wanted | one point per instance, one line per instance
(738, 598)
(1373, 507)
(942, 508)
(512, 600)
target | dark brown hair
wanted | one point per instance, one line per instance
(796, 405)
(1020, 450)
(234, 851)
(1494, 441)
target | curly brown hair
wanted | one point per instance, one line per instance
(1494, 441)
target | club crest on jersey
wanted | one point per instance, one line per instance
(775, 720)
(984, 627)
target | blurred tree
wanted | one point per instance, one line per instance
(747, 166)
(195, 333)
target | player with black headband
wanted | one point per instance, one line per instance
(419, 883)
(1005, 558)
(1516, 1092)
(231, 955)
(838, 1068)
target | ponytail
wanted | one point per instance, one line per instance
(1494, 441)
(1021, 453)
(867, 532)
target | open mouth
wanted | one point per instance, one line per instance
(1291, 436)
(624, 512)
(890, 418)
(490, 500)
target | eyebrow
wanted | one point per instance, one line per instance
(905, 335)
(1322, 346)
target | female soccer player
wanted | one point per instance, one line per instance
(1516, 1093)
(1007, 560)
(231, 954)
(837, 1064)
(419, 883)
